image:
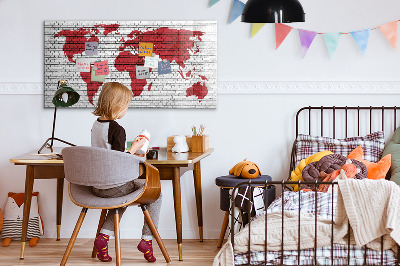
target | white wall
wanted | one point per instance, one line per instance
(257, 127)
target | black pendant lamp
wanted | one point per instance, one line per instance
(273, 11)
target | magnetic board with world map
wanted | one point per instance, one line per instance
(166, 64)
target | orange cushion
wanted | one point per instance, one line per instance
(375, 170)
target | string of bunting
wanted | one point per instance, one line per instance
(361, 37)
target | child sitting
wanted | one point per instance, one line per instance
(106, 133)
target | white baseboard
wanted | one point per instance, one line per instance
(259, 87)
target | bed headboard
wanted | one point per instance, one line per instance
(344, 121)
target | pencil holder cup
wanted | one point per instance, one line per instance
(200, 143)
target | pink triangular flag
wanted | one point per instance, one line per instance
(306, 39)
(281, 31)
(389, 30)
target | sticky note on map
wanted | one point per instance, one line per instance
(83, 64)
(151, 61)
(142, 72)
(164, 67)
(98, 78)
(145, 48)
(101, 67)
(91, 48)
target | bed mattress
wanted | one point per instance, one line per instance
(324, 207)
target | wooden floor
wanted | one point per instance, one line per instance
(50, 252)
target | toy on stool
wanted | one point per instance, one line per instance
(245, 169)
(13, 215)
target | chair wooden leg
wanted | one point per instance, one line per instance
(101, 222)
(73, 237)
(154, 230)
(223, 229)
(117, 238)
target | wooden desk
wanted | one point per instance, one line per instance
(40, 167)
(171, 167)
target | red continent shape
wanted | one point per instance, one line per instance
(91, 86)
(108, 28)
(199, 89)
(203, 77)
(75, 45)
(126, 61)
(170, 44)
(75, 41)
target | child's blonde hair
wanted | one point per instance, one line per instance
(113, 97)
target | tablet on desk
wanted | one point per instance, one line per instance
(53, 155)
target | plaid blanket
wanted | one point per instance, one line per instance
(307, 202)
(322, 204)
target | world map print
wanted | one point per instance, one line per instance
(166, 64)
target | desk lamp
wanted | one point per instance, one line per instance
(273, 11)
(65, 96)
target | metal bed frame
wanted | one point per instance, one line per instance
(284, 184)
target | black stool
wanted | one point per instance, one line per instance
(226, 183)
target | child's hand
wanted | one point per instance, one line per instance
(137, 144)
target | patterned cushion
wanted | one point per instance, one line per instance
(372, 144)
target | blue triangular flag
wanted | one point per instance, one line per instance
(213, 2)
(237, 9)
(361, 37)
(332, 41)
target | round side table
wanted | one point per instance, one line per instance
(228, 182)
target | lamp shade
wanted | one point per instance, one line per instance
(273, 11)
(65, 96)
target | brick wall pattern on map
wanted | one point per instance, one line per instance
(190, 46)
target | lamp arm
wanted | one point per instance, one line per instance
(54, 126)
(51, 140)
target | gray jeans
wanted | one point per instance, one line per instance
(154, 208)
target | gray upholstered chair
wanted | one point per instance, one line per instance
(85, 167)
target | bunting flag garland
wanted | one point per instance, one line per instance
(281, 31)
(389, 30)
(361, 37)
(332, 41)
(213, 2)
(237, 8)
(306, 39)
(256, 28)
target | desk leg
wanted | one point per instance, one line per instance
(27, 206)
(60, 190)
(199, 204)
(176, 182)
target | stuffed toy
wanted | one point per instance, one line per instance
(13, 215)
(296, 174)
(180, 144)
(245, 169)
(375, 170)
